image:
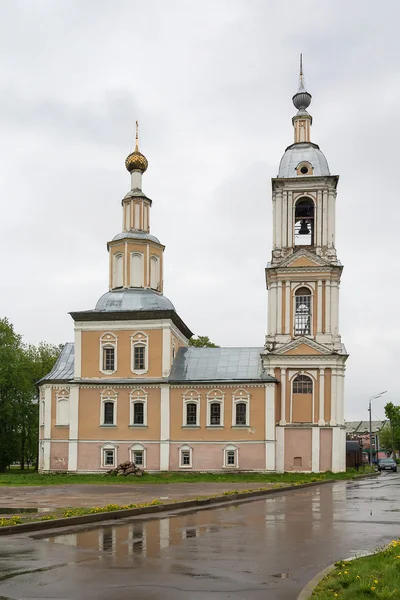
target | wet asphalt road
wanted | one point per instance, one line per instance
(266, 549)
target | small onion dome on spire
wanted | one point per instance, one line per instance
(136, 161)
(302, 99)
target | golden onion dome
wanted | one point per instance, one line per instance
(136, 161)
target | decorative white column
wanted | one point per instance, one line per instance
(327, 306)
(284, 218)
(280, 449)
(166, 351)
(321, 420)
(279, 308)
(73, 428)
(334, 307)
(332, 206)
(270, 426)
(340, 397)
(273, 308)
(325, 218)
(290, 219)
(283, 397)
(47, 428)
(319, 306)
(336, 449)
(274, 220)
(315, 449)
(287, 308)
(333, 397)
(319, 218)
(164, 428)
(278, 217)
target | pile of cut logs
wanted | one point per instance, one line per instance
(125, 469)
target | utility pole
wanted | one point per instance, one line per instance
(370, 423)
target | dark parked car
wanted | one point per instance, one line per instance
(387, 464)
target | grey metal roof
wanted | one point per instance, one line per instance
(359, 427)
(304, 151)
(218, 364)
(142, 299)
(137, 235)
(137, 193)
(64, 367)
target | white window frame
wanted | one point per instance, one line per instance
(155, 264)
(231, 448)
(215, 397)
(238, 397)
(117, 256)
(137, 447)
(135, 397)
(62, 396)
(108, 340)
(103, 448)
(142, 339)
(314, 386)
(141, 256)
(42, 408)
(191, 397)
(185, 448)
(312, 294)
(108, 396)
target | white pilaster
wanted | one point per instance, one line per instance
(334, 308)
(337, 451)
(315, 449)
(290, 219)
(136, 180)
(280, 449)
(270, 426)
(164, 428)
(321, 420)
(47, 428)
(332, 211)
(340, 397)
(333, 397)
(319, 218)
(319, 306)
(283, 397)
(284, 218)
(273, 307)
(287, 307)
(328, 306)
(279, 219)
(269, 298)
(325, 218)
(78, 354)
(273, 220)
(166, 350)
(73, 428)
(279, 308)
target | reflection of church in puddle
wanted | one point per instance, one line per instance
(130, 388)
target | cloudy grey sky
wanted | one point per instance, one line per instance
(211, 84)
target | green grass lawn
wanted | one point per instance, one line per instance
(15, 477)
(376, 577)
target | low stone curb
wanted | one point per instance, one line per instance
(133, 512)
(311, 585)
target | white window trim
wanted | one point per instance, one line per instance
(155, 262)
(217, 397)
(141, 255)
(116, 257)
(108, 340)
(238, 397)
(137, 447)
(191, 397)
(134, 397)
(108, 446)
(140, 338)
(314, 385)
(182, 449)
(108, 396)
(230, 448)
(312, 294)
(41, 412)
(62, 397)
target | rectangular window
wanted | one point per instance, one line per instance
(138, 413)
(108, 413)
(139, 358)
(241, 413)
(108, 359)
(185, 458)
(231, 458)
(215, 413)
(138, 458)
(302, 325)
(108, 458)
(191, 413)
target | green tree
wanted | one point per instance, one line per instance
(202, 341)
(392, 412)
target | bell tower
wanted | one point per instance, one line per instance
(303, 347)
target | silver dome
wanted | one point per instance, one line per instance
(137, 235)
(304, 151)
(130, 300)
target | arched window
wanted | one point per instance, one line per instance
(62, 412)
(108, 455)
(154, 273)
(191, 409)
(302, 385)
(302, 399)
(108, 353)
(140, 353)
(137, 269)
(118, 271)
(241, 409)
(138, 455)
(108, 408)
(215, 408)
(185, 456)
(137, 216)
(191, 413)
(128, 216)
(231, 456)
(302, 314)
(304, 222)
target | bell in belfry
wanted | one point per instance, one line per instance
(304, 230)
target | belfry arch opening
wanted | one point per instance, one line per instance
(304, 224)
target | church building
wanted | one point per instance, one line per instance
(130, 388)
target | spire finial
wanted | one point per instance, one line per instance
(301, 68)
(137, 137)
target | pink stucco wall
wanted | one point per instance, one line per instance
(209, 457)
(298, 444)
(325, 456)
(59, 456)
(89, 455)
